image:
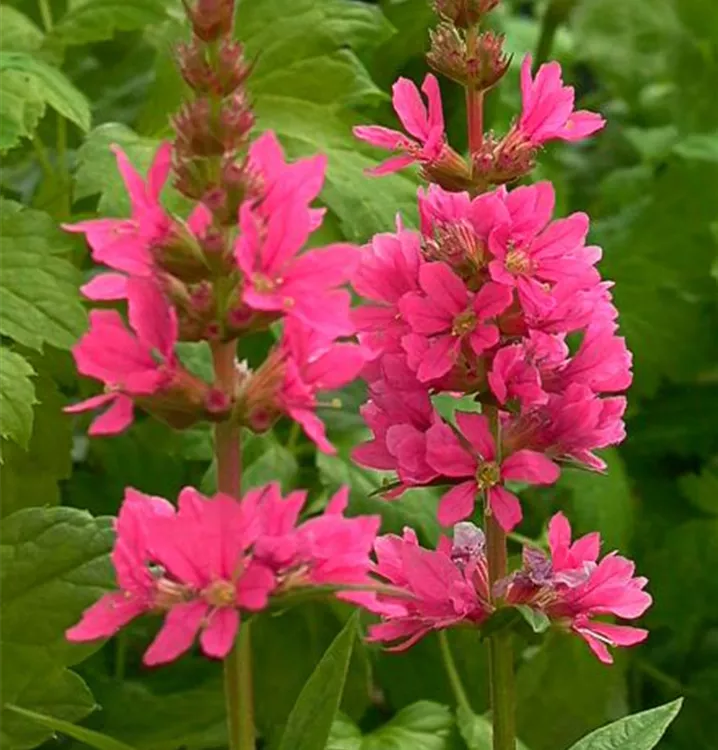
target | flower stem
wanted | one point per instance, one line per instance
(474, 101)
(238, 688)
(554, 16)
(462, 699)
(501, 665)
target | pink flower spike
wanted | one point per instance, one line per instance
(426, 140)
(547, 107)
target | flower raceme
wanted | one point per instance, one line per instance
(448, 587)
(213, 560)
(482, 301)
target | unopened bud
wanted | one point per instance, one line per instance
(464, 13)
(449, 171)
(180, 255)
(218, 78)
(480, 68)
(211, 19)
(497, 163)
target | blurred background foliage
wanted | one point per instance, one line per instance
(77, 75)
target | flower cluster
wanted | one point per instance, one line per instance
(449, 587)
(235, 266)
(214, 560)
(485, 301)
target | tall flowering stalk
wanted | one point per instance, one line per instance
(482, 302)
(492, 298)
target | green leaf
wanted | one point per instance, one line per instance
(17, 396)
(536, 620)
(310, 721)
(94, 20)
(477, 731)
(699, 147)
(563, 691)
(53, 86)
(21, 108)
(421, 726)
(18, 33)
(30, 477)
(39, 288)
(54, 565)
(641, 731)
(86, 736)
(701, 490)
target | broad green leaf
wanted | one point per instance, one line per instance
(701, 490)
(17, 396)
(39, 288)
(52, 84)
(416, 508)
(563, 691)
(536, 620)
(477, 731)
(602, 502)
(641, 731)
(21, 108)
(94, 20)
(18, 33)
(54, 565)
(189, 715)
(421, 726)
(81, 734)
(310, 721)
(30, 477)
(699, 146)
(289, 646)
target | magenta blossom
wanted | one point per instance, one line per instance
(124, 244)
(439, 588)
(470, 456)
(547, 108)
(426, 140)
(388, 269)
(130, 557)
(129, 364)
(573, 588)
(278, 279)
(445, 316)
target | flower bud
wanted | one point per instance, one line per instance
(180, 254)
(464, 13)
(497, 163)
(217, 79)
(211, 19)
(449, 171)
(480, 69)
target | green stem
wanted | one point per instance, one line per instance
(42, 157)
(46, 14)
(501, 663)
(62, 166)
(462, 699)
(238, 689)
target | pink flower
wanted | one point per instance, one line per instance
(130, 557)
(129, 365)
(281, 181)
(471, 456)
(278, 280)
(124, 244)
(547, 108)
(439, 588)
(399, 417)
(573, 588)
(388, 269)
(425, 126)
(556, 254)
(304, 363)
(449, 315)
(204, 551)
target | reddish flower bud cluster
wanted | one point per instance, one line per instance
(464, 13)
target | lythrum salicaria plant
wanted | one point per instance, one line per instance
(493, 301)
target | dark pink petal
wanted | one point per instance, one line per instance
(116, 419)
(395, 164)
(380, 137)
(445, 454)
(218, 636)
(444, 288)
(439, 358)
(177, 634)
(159, 171)
(106, 617)
(423, 315)
(475, 428)
(254, 586)
(106, 287)
(151, 316)
(410, 109)
(458, 503)
(431, 89)
(491, 300)
(530, 466)
(506, 508)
